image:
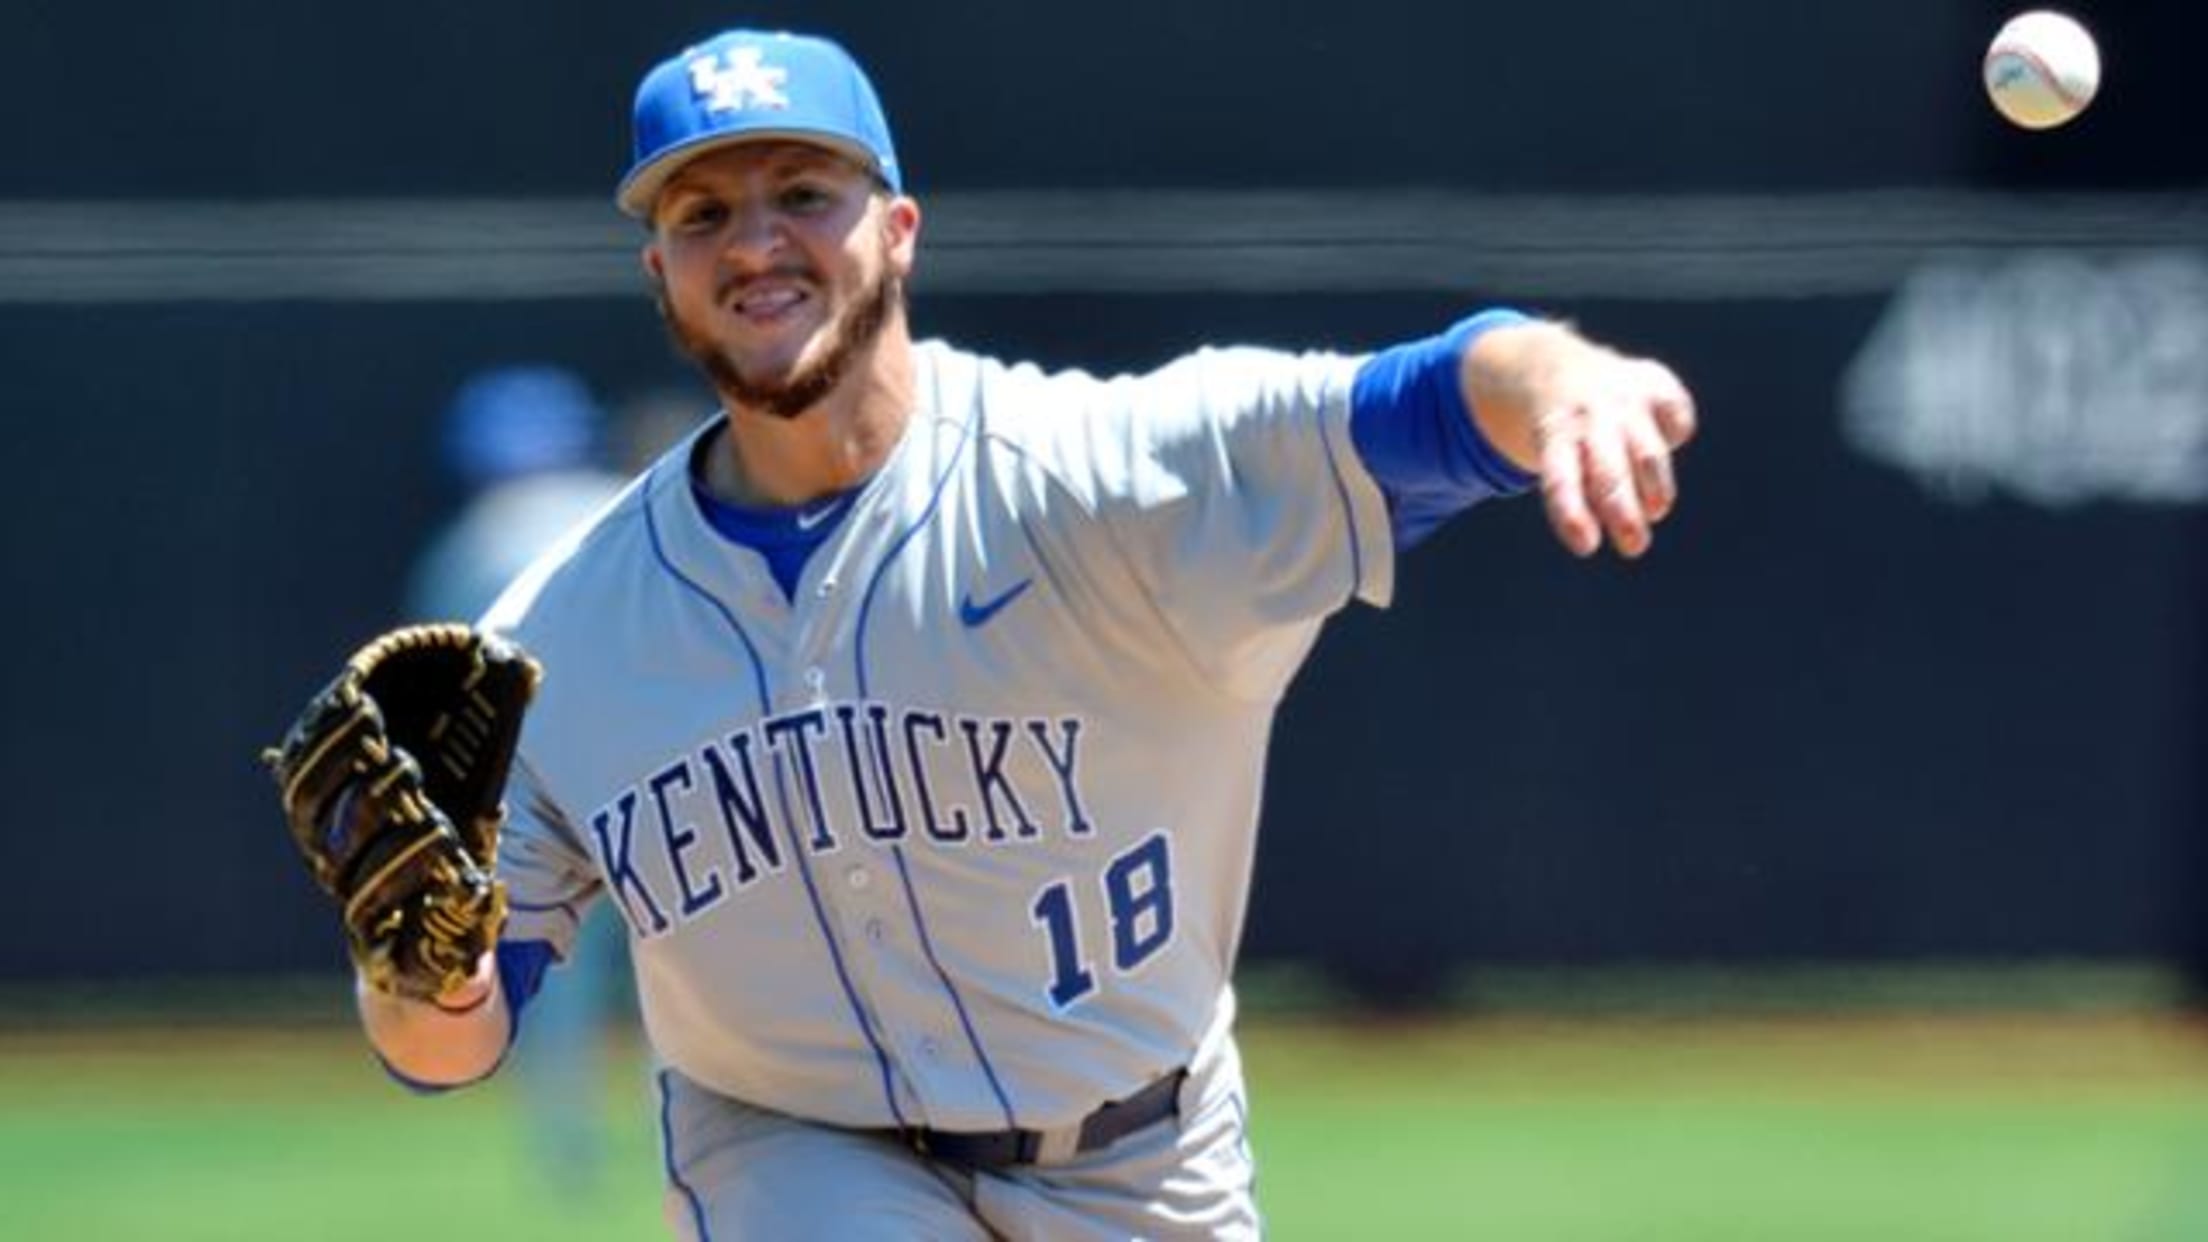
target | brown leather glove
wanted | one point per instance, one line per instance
(392, 779)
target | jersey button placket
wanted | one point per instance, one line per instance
(861, 906)
(858, 879)
(867, 902)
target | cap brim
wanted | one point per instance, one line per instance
(638, 190)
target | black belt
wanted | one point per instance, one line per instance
(996, 1149)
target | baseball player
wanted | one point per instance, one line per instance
(912, 713)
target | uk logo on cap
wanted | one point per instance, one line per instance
(736, 79)
(747, 86)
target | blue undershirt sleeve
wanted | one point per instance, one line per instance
(521, 967)
(1416, 437)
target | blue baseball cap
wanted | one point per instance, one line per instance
(749, 86)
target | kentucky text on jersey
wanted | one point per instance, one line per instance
(709, 822)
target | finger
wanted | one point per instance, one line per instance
(1611, 491)
(1670, 403)
(1563, 494)
(1652, 474)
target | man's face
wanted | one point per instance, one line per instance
(778, 265)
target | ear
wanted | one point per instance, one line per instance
(901, 232)
(655, 266)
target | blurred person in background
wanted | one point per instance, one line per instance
(529, 446)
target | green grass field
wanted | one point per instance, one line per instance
(2071, 1129)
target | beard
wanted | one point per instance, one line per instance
(788, 395)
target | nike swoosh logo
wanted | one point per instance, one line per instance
(975, 615)
(807, 521)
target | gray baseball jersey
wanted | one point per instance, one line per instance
(961, 836)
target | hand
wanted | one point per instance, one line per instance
(1597, 426)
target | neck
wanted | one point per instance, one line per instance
(766, 461)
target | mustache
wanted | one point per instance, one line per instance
(730, 285)
(859, 326)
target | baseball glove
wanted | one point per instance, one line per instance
(392, 780)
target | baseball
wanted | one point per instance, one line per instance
(2042, 69)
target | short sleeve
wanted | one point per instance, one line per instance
(1229, 480)
(550, 877)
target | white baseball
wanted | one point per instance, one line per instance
(2042, 69)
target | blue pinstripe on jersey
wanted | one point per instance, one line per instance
(667, 1155)
(904, 871)
(804, 870)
